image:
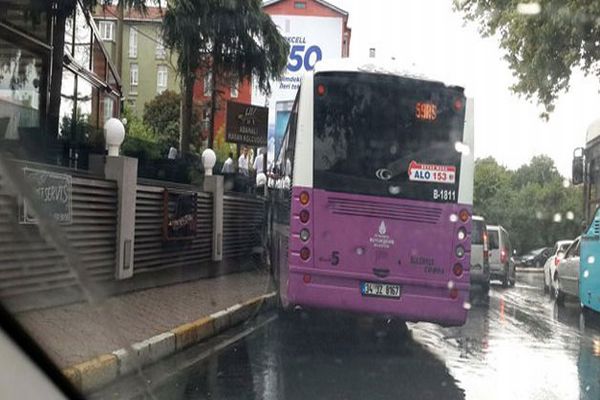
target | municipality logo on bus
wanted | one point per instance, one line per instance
(382, 229)
(431, 173)
(381, 239)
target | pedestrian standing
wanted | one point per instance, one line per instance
(243, 162)
(228, 167)
(259, 163)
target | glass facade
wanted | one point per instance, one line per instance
(89, 87)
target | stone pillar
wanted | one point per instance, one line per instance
(123, 170)
(214, 185)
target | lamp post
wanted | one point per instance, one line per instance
(114, 134)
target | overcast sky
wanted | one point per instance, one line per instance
(430, 37)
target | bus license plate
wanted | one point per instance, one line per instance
(379, 289)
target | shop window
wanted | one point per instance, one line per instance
(20, 81)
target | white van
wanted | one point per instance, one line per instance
(480, 266)
(501, 265)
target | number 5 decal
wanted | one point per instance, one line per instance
(295, 58)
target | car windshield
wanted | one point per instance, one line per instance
(300, 199)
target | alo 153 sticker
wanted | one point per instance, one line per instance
(431, 173)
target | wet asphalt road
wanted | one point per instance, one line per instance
(516, 344)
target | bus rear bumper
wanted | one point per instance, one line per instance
(416, 303)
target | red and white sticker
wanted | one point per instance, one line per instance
(431, 173)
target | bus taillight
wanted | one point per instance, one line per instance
(462, 234)
(304, 235)
(304, 198)
(463, 215)
(458, 104)
(304, 216)
(320, 90)
(457, 269)
(460, 251)
(304, 253)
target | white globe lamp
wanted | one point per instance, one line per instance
(209, 159)
(114, 134)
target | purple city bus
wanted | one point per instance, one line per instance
(372, 206)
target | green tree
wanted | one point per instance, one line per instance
(140, 140)
(161, 114)
(544, 41)
(226, 38)
(532, 203)
(540, 170)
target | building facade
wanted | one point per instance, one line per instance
(57, 83)
(147, 68)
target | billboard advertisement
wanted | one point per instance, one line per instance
(311, 39)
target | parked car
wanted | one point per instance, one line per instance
(557, 253)
(502, 266)
(534, 259)
(480, 266)
(566, 282)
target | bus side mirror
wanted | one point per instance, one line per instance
(577, 167)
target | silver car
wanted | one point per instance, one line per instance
(480, 266)
(502, 266)
(566, 281)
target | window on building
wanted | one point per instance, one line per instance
(107, 30)
(161, 53)
(134, 74)
(235, 86)
(300, 4)
(162, 76)
(208, 84)
(133, 42)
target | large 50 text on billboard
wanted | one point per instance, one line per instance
(299, 57)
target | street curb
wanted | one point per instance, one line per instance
(103, 369)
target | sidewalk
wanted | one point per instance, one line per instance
(76, 333)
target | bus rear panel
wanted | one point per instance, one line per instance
(381, 230)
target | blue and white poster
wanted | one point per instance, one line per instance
(311, 39)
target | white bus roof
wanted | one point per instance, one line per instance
(370, 66)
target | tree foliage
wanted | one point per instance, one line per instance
(533, 202)
(542, 47)
(161, 114)
(229, 38)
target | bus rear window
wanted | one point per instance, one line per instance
(387, 136)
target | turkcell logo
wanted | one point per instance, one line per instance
(301, 56)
